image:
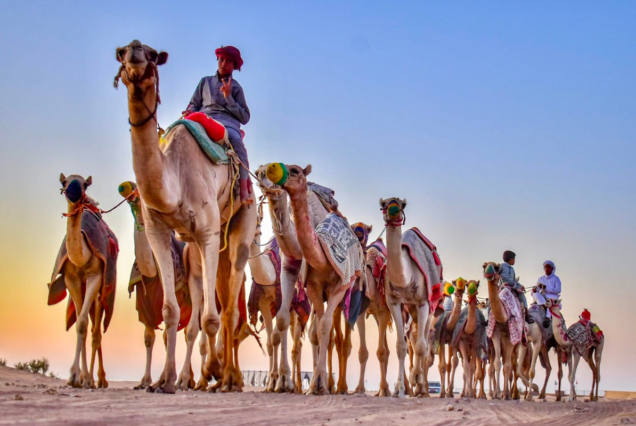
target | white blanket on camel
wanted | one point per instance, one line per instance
(341, 246)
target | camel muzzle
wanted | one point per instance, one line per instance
(74, 191)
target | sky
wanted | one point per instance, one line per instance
(505, 125)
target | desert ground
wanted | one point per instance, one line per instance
(27, 398)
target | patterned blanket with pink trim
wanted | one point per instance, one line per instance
(424, 254)
(515, 319)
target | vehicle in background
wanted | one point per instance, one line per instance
(434, 387)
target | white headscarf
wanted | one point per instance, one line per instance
(551, 282)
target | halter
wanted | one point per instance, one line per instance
(390, 211)
(151, 67)
(83, 205)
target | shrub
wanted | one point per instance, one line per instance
(34, 366)
(3, 362)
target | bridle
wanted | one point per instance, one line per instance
(83, 205)
(150, 68)
(401, 219)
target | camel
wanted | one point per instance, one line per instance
(266, 297)
(442, 327)
(569, 339)
(182, 190)
(86, 267)
(146, 283)
(407, 284)
(375, 259)
(538, 337)
(292, 256)
(506, 330)
(469, 335)
(323, 277)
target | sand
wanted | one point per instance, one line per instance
(27, 398)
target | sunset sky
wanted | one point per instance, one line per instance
(505, 125)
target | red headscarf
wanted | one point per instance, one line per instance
(231, 53)
(586, 315)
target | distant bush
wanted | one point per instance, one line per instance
(53, 375)
(34, 366)
(3, 362)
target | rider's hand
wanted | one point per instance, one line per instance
(227, 87)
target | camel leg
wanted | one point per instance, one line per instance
(313, 337)
(536, 349)
(455, 362)
(524, 379)
(149, 343)
(296, 329)
(548, 369)
(508, 349)
(332, 343)
(573, 364)
(159, 239)
(467, 367)
(363, 353)
(192, 330)
(559, 373)
(420, 348)
(264, 308)
(96, 343)
(344, 351)
(441, 355)
(496, 341)
(480, 376)
(383, 352)
(325, 322)
(396, 313)
(288, 279)
(598, 355)
(590, 361)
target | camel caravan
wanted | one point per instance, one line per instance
(197, 225)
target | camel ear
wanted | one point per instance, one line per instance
(382, 203)
(484, 265)
(62, 178)
(120, 53)
(404, 203)
(89, 181)
(163, 58)
(478, 283)
(369, 229)
(307, 170)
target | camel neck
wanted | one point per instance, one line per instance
(395, 269)
(147, 156)
(283, 228)
(456, 312)
(74, 237)
(496, 306)
(307, 239)
(471, 321)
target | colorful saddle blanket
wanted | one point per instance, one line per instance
(479, 336)
(538, 315)
(215, 152)
(582, 337)
(104, 245)
(342, 247)
(376, 260)
(424, 254)
(149, 291)
(516, 321)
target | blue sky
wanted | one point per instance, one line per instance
(506, 125)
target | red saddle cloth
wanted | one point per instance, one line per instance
(214, 129)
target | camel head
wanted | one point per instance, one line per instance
(129, 191)
(472, 288)
(139, 65)
(269, 189)
(362, 231)
(552, 303)
(491, 271)
(460, 286)
(292, 179)
(74, 187)
(393, 211)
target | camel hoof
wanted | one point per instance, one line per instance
(383, 392)
(102, 384)
(360, 390)
(167, 388)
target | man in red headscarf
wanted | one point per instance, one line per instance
(221, 97)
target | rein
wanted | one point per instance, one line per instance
(151, 67)
(82, 205)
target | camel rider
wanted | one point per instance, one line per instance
(507, 274)
(221, 97)
(548, 287)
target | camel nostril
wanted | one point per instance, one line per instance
(74, 191)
